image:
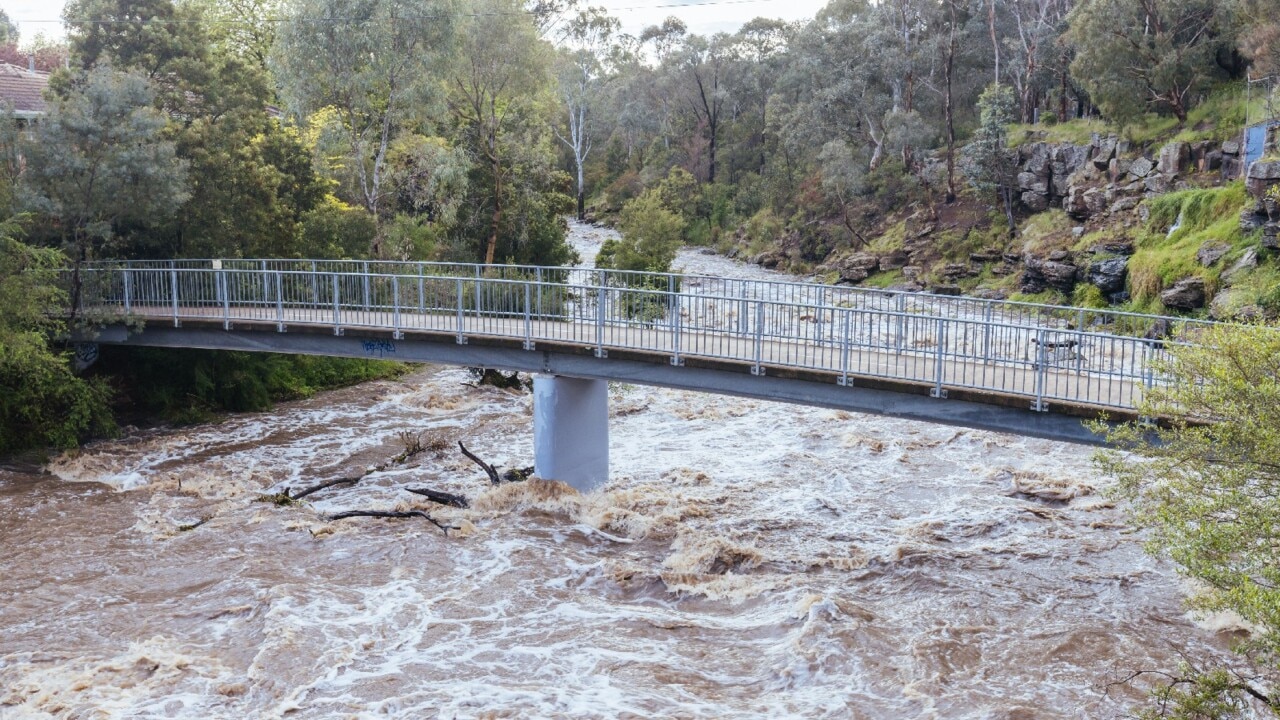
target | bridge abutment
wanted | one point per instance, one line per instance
(571, 430)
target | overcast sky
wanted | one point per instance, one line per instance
(42, 16)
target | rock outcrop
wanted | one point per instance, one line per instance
(1186, 294)
(1109, 275)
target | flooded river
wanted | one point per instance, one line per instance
(746, 560)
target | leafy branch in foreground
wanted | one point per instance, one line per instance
(1207, 485)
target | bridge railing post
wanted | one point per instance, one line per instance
(986, 334)
(128, 282)
(601, 299)
(279, 278)
(817, 314)
(364, 279)
(939, 373)
(757, 368)
(673, 301)
(844, 349)
(537, 276)
(224, 294)
(528, 318)
(173, 283)
(901, 322)
(315, 287)
(337, 308)
(462, 336)
(1041, 369)
(395, 311)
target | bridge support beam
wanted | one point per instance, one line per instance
(571, 430)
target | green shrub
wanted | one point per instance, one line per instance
(651, 236)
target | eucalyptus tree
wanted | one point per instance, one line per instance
(759, 52)
(376, 64)
(99, 166)
(245, 28)
(702, 68)
(582, 71)
(498, 95)
(1150, 55)
(1034, 50)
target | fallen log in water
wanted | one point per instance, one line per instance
(390, 514)
(443, 498)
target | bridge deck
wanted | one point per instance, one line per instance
(1063, 384)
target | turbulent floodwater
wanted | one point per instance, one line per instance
(746, 560)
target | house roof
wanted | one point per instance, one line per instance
(23, 90)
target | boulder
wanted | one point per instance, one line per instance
(1232, 167)
(1066, 158)
(1211, 252)
(1035, 201)
(1212, 161)
(986, 256)
(1032, 280)
(1037, 158)
(1095, 201)
(1230, 147)
(1141, 168)
(1247, 261)
(893, 261)
(769, 259)
(1077, 232)
(1124, 205)
(1106, 151)
(1270, 236)
(955, 271)
(1039, 274)
(1158, 184)
(856, 267)
(1252, 219)
(1119, 168)
(1186, 294)
(1229, 304)
(1174, 158)
(990, 294)
(912, 272)
(1075, 205)
(1059, 255)
(1109, 275)
(1030, 182)
(946, 290)
(1262, 175)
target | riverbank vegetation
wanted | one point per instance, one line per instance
(1208, 488)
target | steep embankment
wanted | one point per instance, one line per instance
(1179, 227)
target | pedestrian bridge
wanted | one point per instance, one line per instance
(1024, 368)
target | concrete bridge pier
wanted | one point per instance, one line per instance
(571, 430)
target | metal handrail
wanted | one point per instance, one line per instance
(1039, 363)
(1034, 314)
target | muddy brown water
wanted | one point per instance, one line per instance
(746, 560)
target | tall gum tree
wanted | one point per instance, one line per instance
(376, 63)
(495, 86)
(582, 72)
(1138, 55)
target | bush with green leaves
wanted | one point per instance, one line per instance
(1207, 486)
(42, 402)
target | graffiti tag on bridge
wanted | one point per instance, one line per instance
(379, 348)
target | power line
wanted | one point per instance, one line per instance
(354, 20)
